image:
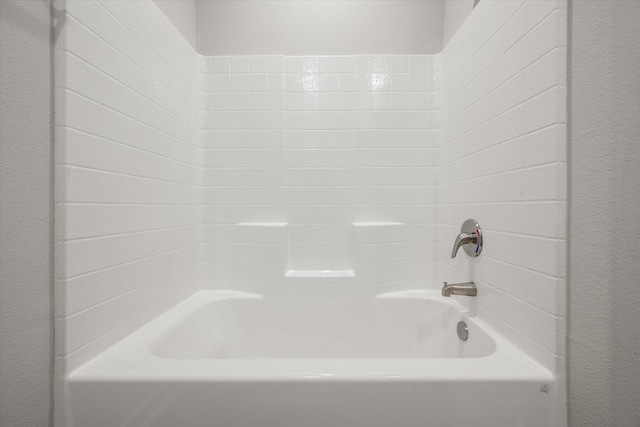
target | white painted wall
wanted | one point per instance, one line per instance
(319, 27)
(503, 163)
(127, 172)
(182, 13)
(455, 13)
(25, 214)
(604, 302)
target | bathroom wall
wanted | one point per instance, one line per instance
(503, 163)
(320, 169)
(604, 302)
(354, 169)
(182, 14)
(603, 386)
(26, 332)
(127, 172)
(455, 13)
(319, 27)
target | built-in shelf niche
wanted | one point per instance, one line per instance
(268, 247)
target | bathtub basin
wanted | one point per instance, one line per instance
(307, 358)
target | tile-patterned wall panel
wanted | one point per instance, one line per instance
(261, 169)
(502, 162)
(128, 172)
(320, 143)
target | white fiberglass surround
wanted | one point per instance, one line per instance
(178, 172)
(313, 357)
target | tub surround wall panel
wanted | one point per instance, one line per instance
(182, 13)
(128, 159)
(270, 170)
(310, 149)
(455, 13)
(503, 163)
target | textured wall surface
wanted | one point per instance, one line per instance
(604, 303)
(319, 27)
(127, 174)
(182, 13)
(25, 214)
(503, 163)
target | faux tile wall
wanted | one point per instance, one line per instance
(320, 166)
(172, 168)
(127, 172)
(502, 162)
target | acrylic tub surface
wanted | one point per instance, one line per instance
(245, 326)
(228, 358)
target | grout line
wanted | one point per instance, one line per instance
(86, 98)
(121, 83)
(512, 108)
(70, 316)
(125, 204)
(66, 356)
(88, 273)
(142, 177)
(126, 233)
(509, 79)
(127, 57)
(148, 21)
(506, 141)
(132, 147)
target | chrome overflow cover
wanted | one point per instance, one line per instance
(463, 331)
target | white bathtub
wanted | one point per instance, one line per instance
(304, 358)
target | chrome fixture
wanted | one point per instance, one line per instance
(469, 289)
(470, 238)
(463, 331)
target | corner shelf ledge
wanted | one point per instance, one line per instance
(377, 224)
(319, 273)
(262, 224)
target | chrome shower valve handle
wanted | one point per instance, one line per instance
(470, 239)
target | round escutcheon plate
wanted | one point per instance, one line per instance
(463, 331)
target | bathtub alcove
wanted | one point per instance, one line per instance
(261, 239)
(237, 358)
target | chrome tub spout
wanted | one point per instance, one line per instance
(469, 289)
